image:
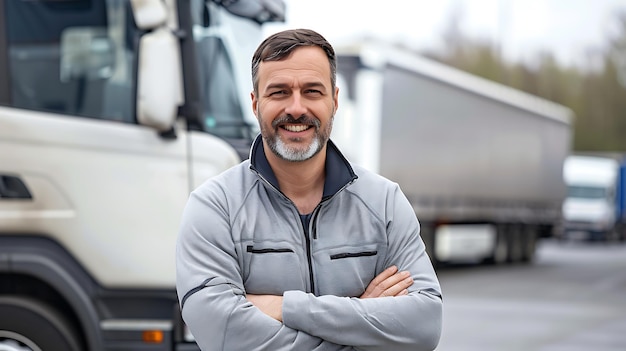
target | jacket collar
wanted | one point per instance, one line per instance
(339, 172)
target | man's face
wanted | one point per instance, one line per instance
(295, 103)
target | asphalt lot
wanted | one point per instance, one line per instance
(571, 298)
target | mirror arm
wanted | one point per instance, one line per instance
(169, 134)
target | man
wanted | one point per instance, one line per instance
(295, 248)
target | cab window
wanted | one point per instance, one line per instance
(72, 57)
(222, 108)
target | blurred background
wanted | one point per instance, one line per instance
(570, 52)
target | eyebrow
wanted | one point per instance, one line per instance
(305, 85)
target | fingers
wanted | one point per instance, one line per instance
(395, 284)
(389, 283)
(373, 289)
(387, 273)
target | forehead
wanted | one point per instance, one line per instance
(309, 62)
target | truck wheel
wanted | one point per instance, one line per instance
(515, 243)
(30, 325)
(529, 243)
(500, 251)
(614, 235)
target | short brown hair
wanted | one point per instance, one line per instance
(279, 46)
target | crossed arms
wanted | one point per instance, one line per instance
(389, 283)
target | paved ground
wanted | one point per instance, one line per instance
(573, 297)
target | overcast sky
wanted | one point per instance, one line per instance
(569, 28)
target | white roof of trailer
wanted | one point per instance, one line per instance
(377, 55)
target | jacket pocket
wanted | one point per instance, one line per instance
(339, 256)
(271, 268)
(347, 270)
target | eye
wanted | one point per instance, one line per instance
(313, 91)
(278, 93)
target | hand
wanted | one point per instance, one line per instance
(389, 283)
(271, 305)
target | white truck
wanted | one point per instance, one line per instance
(594, 208)
(111, 112)
(480, 162)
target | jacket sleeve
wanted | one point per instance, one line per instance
(210, 287)
(410, 322)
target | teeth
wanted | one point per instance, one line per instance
(296, 128)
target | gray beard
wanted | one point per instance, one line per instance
(280, 149)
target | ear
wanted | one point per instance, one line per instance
(254, 103)
(336, 95)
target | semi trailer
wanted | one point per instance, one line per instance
(480, 162)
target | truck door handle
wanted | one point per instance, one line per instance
(12, 187)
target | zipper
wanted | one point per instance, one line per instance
(313, 231)
(251, 249)
(353, 254)
(307, 238)
(314, 221)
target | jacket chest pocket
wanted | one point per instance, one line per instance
(271, 268)
(346, 271)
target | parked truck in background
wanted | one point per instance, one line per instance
(111, 112)
(595, 206)
(481, 163)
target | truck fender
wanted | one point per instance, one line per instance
(46, 261)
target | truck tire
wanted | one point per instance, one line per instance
(529, 243)
(613, 235)
(515, 243)
(30, 325)
(500, 252)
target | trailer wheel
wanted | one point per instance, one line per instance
(529, 243)
(613, 235)
(622, 232)
(515, 242)
(500, 251)
(30, 325)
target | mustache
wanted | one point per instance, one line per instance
(303, 119)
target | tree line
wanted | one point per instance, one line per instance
(596, 94)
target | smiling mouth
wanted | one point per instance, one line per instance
(296, 128)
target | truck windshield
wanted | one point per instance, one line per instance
(586, 192)
(222, 110)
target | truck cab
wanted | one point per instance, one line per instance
(591, 209)
(111, 112)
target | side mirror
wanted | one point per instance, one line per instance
(149, 14)
(159, 83)
(86, 53)
(261, 11)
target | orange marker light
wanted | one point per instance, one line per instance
(153, 336)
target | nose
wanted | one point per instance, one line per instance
(296, 106)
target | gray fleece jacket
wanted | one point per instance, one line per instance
(240, 234)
